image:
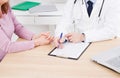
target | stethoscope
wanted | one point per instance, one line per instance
(99, 14)
(100, 8)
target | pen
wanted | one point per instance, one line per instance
(61, 37)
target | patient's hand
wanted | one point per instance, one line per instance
(43, 39)
(40, 34)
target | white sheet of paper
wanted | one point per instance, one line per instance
(71, 50)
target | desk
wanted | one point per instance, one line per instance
(36, 63)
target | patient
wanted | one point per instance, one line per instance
(10, 25)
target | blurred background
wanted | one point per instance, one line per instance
(28, 21)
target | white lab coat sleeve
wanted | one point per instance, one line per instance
(110, 28)
(66, 20)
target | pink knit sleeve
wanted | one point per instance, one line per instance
(21, 31)
(2, 54)
(7, 46)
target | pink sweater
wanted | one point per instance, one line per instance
(8, 26)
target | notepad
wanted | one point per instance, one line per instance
(26, 5)
(70, 50)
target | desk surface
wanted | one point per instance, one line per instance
(36, 63)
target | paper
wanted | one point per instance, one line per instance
(70, 50)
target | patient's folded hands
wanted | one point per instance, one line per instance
(42, 39)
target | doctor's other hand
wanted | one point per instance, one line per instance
(58, 42)
(75, 37)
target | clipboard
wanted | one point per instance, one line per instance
(70, 51)
(26, 5)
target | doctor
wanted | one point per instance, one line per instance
(89, 21)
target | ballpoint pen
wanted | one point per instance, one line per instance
(61, 38)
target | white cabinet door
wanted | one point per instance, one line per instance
(47, 20)
(26, 19)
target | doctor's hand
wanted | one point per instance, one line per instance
(75, 37)
(59, 42)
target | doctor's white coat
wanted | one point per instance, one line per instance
(75, 19)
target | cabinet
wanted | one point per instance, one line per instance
(43, 18)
